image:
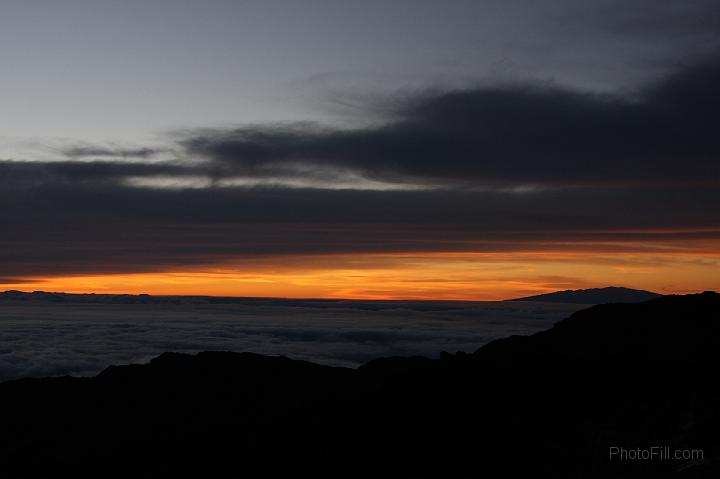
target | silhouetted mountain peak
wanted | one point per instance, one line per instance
(611, 294)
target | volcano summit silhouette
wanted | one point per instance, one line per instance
(611, 294)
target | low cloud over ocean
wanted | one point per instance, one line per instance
(48, 339)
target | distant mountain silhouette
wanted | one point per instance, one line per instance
(548, 405)
(56, 297)
(610, 294)
(14, 296)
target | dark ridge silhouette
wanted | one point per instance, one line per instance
(548, 405)
(611, 294)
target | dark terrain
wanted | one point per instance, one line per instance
(611, 294)
(547, 405)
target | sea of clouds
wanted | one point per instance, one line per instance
(40, 339)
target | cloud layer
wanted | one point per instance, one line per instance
(496, 168)
(513, 136)
(82, 339)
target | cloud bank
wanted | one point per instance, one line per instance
(52, 339)
(496, 168)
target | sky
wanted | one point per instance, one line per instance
(399, 149)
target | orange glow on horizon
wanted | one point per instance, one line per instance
(441, 276)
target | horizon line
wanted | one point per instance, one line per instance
(288, 298)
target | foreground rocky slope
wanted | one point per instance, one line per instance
(552, 404)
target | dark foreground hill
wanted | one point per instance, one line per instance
(550, 405)
(611, 294)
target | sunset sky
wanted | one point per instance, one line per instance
(468, 149)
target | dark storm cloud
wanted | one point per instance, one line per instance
(511, 168)
(65, 231)
(513, 135)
